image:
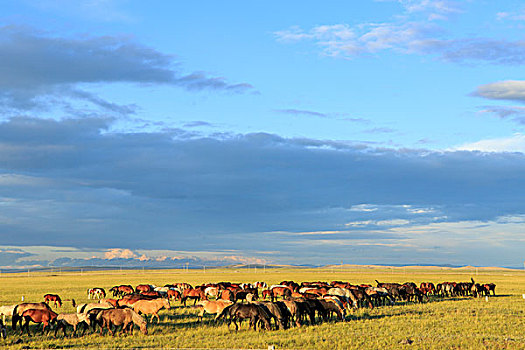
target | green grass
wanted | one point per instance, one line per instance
(462, 323)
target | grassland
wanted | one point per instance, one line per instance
(456, 323)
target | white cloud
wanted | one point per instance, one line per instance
(513, 90)
(363, 207)
(515, 143)
(117, 253)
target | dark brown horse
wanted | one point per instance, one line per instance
(54, 298)
(243, 311)
(38, 316)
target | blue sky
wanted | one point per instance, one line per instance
(281, 132)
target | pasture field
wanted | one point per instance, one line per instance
(452, 323)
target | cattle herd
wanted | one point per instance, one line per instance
(288, 304)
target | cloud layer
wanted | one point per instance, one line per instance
(71, 181)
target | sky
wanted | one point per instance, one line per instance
(362, 132)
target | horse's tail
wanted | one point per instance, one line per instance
(15, 318)
(224, 312)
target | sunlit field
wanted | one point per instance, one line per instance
(463, 322)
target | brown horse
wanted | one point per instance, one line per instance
(143, 288)
(151, 307)
(20, 308)
(266, 294)
(195, 294)
(38, 316)
(121, 317)
(53, 297)
(153, 294)
(174, 294)
(122, 290)
(212, 307)
(284, 292)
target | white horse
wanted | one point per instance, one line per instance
(7, 310)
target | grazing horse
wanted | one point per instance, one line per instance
(20, 308)
(226, 294)
(121, 317)
(283, 291)
(280, 315)
(122, 290)
(334, 306)
(212, 307)
(96, 293)
(54, 298)
(490, 287)
(196, 294)
(211, 291)
(174, 294)
(243, 311)
(64, 320)
(151, 307)
(6, 310)
(152, 294)
(38, 316)
(144, 288)
(266, 294)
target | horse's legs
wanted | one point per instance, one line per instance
(158, 318)
(104, 324)
(26, 326)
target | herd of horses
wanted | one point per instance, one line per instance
(279, 306)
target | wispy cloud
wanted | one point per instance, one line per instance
(302, 112)
(513, 113)
(66, 63)
(409, 34)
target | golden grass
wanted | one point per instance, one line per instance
(461, 323)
